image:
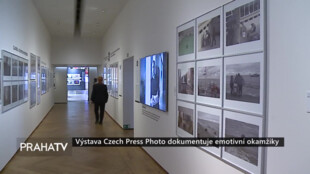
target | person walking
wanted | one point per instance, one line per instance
(99, 97)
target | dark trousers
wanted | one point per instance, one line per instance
(99, 117)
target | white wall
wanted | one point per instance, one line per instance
(145, 27)
(76, 51)
(61, 90)
(21, 26)
(288, 55)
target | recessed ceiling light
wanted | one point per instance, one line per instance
(102, 11)
(93, 8)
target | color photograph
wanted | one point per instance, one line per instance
(185, 119)
(209, 81)
(186, 41)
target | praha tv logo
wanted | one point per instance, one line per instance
(43, 147)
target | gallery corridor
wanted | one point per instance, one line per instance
(76, 119)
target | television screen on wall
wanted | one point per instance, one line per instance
(153, 81)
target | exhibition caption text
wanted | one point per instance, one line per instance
(215, 142)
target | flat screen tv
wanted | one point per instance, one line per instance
(154, 81)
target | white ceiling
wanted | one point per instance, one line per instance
(97, 16)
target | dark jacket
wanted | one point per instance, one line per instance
(99, 93)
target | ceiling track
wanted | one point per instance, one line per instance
(78, 17)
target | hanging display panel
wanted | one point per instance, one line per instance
(38, 80)
(33, 93)
(33, 59)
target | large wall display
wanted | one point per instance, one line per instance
(221, 85)
(186, 42)
(153, 81)
(14, 85)
(43, 79)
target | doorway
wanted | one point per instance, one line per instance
(77, 83)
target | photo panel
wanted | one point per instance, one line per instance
(33, 93)
(209, 34)
(7, 96)
(241, 125)
(186, 81)
(21, 91)
(209, 125)
(209, 82)
(244, 83)
(244, 26)
(33, 64)
(186, 42)
(185, 119)
(7, 65)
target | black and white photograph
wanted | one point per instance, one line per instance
(6, 95)
(185, 119)
(33, 66)
(243, 25)
(186, 81)
(209, 125)
(15, 67)
(21, 91)
(26, 90)
(14, 93)
(209, 34)
(244, 82)
(209, 82)
(33, 94)
(186, 41)
(6, 67)
(242, 126)
(21, 69)
(26, 73)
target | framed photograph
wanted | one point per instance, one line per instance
(25, 90)
(15, 67)
(33, 64)
(7, 96)
(21, 70)
(209, 82)
(209, 125)
(26, 69)
(33, 93)
(240, 125)
(7, 62)
(38, 80)
(244, 26)
(186, 81)
(185, 119)
(209, 34)
(15, 88)
(244, 83)
(186, 41)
